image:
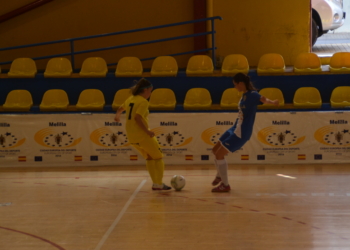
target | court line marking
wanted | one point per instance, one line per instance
(34, 236)
(120, 215)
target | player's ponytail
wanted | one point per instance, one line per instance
(140, 86)
(240, 77)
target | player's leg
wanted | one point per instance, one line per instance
(150, 163)
(217, 179)
(152, 148)
(222, 167)
(215, 149)
(230, 144)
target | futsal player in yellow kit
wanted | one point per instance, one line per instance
(139, 135)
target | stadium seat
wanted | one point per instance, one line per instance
(91, 100)
(340, 63)
(200, 65)
(164, 66)
(307, 63)
(22, 68)
(162, 99)
(197, 98)
(272, 94)
(58, 67)
(307, 97)
(119, 98)
(18, 100)
(271, 64)
(234, 64)
(230, 98)
(54, 100)
(129, 67)
(94, 67)
(340, 97)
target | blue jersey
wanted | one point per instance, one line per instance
(246, 115)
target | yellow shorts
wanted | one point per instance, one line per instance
(149, 147)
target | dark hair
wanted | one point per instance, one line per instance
(140, 85)
(240, 77)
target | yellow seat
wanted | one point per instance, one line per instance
(307, 97)
(200, 65)
(18, 100)
(272, 94)
(271, 64)
(54, 100)
(230, 98)
(233, 64)
(91, 100)
(22, 68)
(307, 63)
(162, 99)
(119, 98)
(94, 67)
(58, 67)
(164, 66)
(129, 67)
(340, 62)
(340, 97)
(197, 98)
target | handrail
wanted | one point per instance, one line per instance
(23, 10)
(72, 53)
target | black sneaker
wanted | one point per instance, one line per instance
(164, 187)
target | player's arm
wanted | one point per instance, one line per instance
(265, 100)
(120, 110)
(139, 121)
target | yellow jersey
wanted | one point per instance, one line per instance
(135, 105)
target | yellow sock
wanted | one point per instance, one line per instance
(159, 166)
(151, 167)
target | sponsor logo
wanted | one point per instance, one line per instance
(275, 137)
(189, 157)
(212, 135)
(205, 157)
(4, 124)
(133, 157)
(9, 140)
(261, 157)
(301, 157)
(338, 122)
(168, 138)
(106, 137)
(333, 136)
(113, 124)
(168, 123)
(22, 158)
(78, 158)
(38, 158)
(244, 157)
(220, 123)
(51, 138)
(57, 124)
(318, 156)
(280, 122)
(93, 158)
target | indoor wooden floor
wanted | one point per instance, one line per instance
(269, 207)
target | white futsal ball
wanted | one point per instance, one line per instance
(178, 182)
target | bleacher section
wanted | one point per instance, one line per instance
(271, 73)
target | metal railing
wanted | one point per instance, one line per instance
(72, 52)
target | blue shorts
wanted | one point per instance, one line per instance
(231, 141)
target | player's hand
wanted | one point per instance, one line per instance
(150, 133)
(276, 102)
(117, 118)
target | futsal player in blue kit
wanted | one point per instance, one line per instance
(235, 137)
